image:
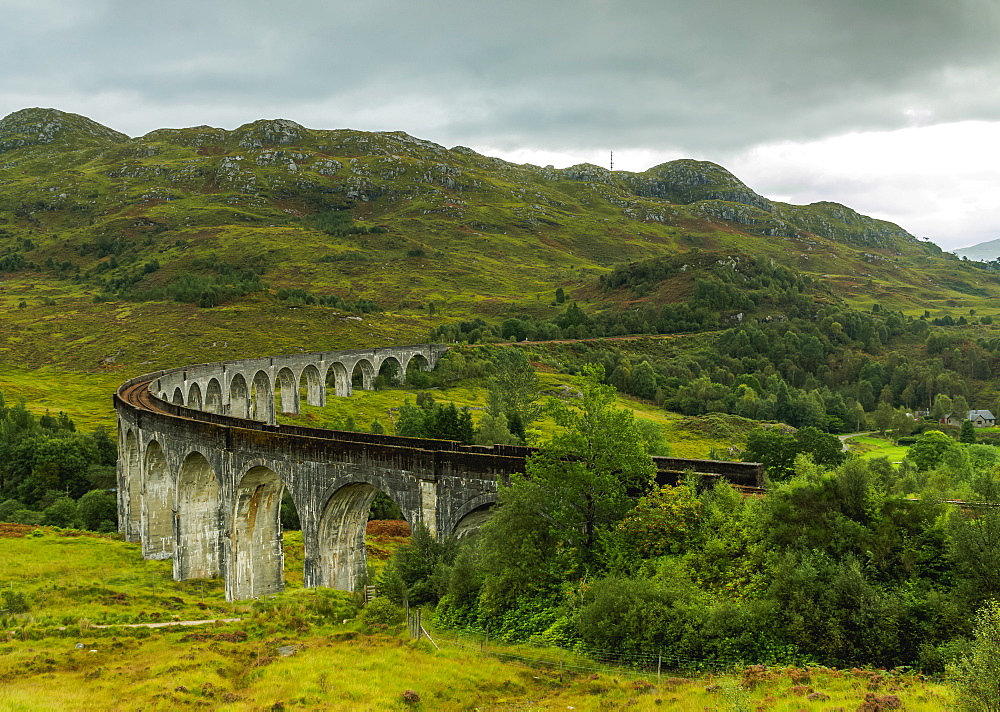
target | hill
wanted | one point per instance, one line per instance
(387, 217)
(121, 255)
(983, 251)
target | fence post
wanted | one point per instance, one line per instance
(659, 665)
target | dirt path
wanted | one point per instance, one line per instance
(163, 624)
(845, 438)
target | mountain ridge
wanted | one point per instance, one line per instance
(405, 222)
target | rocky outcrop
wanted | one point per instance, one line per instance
(35, 127)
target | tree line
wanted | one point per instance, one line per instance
(843, 562)
(51, 473)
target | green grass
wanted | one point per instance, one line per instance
(54, 658)
(869, 446)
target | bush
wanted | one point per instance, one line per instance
(977, 675)
(381, 611)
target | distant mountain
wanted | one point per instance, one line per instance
(984, 251)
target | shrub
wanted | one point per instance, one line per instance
(381, 611)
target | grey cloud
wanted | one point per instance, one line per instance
(704, 76)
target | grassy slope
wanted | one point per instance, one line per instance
(78, 581)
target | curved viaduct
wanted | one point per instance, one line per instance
(203, 467)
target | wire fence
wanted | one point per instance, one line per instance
(583, 660)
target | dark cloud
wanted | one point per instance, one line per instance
(696, 75)
(706, 78)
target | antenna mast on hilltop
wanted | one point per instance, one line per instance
(612, 160)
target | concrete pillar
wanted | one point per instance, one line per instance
(428, 505)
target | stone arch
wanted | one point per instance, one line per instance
(311, 386)
(258, 559)
(178, 398)
(239, 397)
(473, 514)
(194, 397)
(339, 379)
(213, 396)
(390, 371)
(415, 363)
(158, 503)
(197, 553)
(343, 560)
(132, 490)
(261, 398)
(286, 389)
(362, 375)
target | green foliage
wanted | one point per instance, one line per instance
(513, 390)
(930, 449)
(429, 419)
(777, 449)
(299, 297)
(98, 511)
(665, 521)
(380, 611)
(976, 676)
(420, 570)
(968, 432)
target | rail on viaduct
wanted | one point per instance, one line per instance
(203, 466)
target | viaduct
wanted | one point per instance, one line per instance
(203, 466)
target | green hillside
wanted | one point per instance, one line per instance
(121, 255)
(179, 214)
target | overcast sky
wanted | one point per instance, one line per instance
(889, 106)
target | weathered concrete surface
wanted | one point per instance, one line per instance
(204, 486)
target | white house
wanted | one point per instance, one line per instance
(979, 418)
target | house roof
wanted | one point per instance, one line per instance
(985, 414)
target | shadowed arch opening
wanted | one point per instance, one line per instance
(213, 396)
(470, 523)
(311, 386)
(239, 397)
(390, 373)
(197, 553)
(132, 486)
(194, 397)
(363, 376)
(261, 398)
(338, 379)
(158, 505)
(178, 398)
(258, 559)
(415, 371)
(286, 391)
(343, 559)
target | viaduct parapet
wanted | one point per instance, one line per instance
(203, 467)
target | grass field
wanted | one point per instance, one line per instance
(869, 446)
(295, 650)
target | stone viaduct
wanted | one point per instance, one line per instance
(203, 467)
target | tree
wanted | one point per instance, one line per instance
(942, 406)
(574, 491)
(98, 511)
(929, 449)
(61, 513)
(968, 432)
(976, 675)
(513, 389)
(777, 449)
(493, 430)
(560, 295)
(434, 420)
(643, 380)
(882, 420)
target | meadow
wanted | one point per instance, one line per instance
(315, 649)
